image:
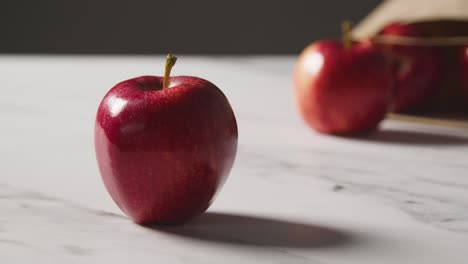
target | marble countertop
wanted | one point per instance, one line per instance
(294, 196)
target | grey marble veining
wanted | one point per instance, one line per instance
(439, 202)
(397, 196)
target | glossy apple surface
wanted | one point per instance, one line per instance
(418, 69)
(343, 90)
(164, 153)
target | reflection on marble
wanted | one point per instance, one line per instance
(399, 195)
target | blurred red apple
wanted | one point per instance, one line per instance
(164, 146)
(343, 88)
(464, 71)
(417, 68)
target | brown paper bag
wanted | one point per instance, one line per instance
(411, 11)
(446, 24)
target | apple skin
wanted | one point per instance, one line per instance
(163, 154)
(401, 29)
(343, 90)
(418, 69)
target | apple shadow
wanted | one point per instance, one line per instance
(406, 137)
(257, 231)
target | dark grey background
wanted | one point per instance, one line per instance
(196, 27)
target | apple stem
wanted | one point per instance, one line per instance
(170, 61)
(346, 34)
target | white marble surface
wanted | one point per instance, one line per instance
(294, 196)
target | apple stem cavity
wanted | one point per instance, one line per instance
(170, 61)
(346, 34)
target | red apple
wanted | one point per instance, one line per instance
(164, 146)
(401, 29)
(343, 88)
(418, 69)
(464, 71)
